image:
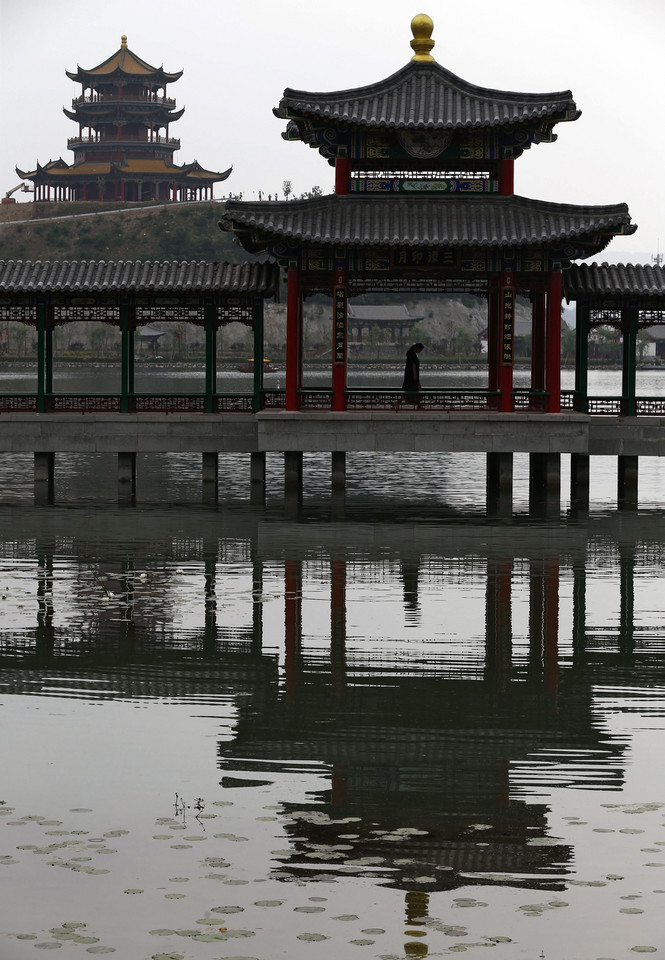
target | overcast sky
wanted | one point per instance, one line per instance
(238, 58)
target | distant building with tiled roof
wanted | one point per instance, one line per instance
(123, 150)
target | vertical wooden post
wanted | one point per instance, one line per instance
(506, 354)
(538, 340)
(506, 173)
(210, 322)
(342, 175)
(553, 377)
(581, 397)
(42, 310)
(340, 321)
(293, 339)
(126, 356)
(629, 317)
(257, 319)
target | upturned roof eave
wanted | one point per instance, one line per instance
(261, 223)
(557, 105)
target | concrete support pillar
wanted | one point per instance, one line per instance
(210, 477)
(293, 474)
(579, 480)
(627, 474)
(338, 484)
(44, 477)
(544, 483)
(499, 484)
(257, 477)
(126, 477)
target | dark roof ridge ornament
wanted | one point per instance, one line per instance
(422, 43)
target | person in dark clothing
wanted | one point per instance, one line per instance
(411, 383)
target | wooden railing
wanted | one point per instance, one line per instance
(357, 398)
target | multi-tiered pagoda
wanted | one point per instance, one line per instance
(424, 200)
(124, 148)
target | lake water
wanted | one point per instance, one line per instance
(230, 732)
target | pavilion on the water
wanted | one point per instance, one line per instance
(124, 148)
(424, 200)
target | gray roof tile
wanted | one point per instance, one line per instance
(133, 276)
(427, 96)
(594, 280)
(493, 221)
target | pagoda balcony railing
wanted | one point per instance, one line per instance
(127, 98)
(82, 141)
(136, 403)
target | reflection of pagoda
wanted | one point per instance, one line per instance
(120, 153)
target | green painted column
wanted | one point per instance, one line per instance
(42, 310)
(581, 400)
(210, 321)
(629, 361)
(257, 321)
(126, 356)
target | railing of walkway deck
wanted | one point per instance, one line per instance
(357, 399)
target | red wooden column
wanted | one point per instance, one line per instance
(553, 358)
(293, 338)
(340, 310)
(538, 340)
(506, 177)
(342, 174)
(507, 336)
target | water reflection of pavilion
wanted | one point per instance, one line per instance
(447, 752)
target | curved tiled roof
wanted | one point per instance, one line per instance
(604, 280)
(133, 276)
(493, 221)
(427, 96)
(126, 62)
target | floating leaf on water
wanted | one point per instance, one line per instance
(174, 896)
(236, 883)
(162, 932)
(27, 936)
(132, 890)
(116, 833)
(630, 910)
(80, 810)
(630, 830)
(168, 956)
(362, 943)
(499, 939)
(347, 916)
(373, 930)
(312, 936)
(179, 879)
(644, 949)
(48, 945)
(309, 909)
(241, 909)
(222, 803)
(100, 949)
(261, 903)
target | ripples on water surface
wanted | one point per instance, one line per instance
(233, 733)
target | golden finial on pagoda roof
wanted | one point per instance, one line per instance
(422, 43)
(123, 41)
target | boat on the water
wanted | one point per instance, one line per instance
(248, 367)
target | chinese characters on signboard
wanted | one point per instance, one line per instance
(507, 323)
(339, 319)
